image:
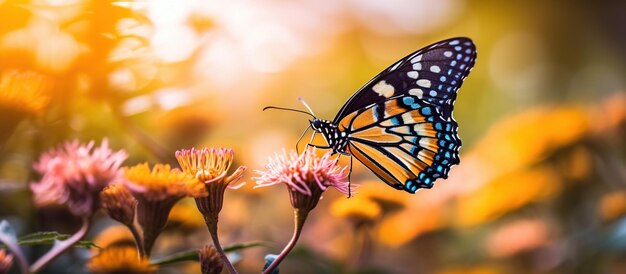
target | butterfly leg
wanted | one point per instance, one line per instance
(301, 136)
(322, 147)
(349, 182)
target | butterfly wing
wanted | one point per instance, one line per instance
(404, 141)
(433, 74)
(400, 123)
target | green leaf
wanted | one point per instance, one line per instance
(192, 255)
(48, 238)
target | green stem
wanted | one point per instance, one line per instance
(299, 219)
(61, 247)
(211, 223)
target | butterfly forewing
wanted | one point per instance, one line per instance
(433, 74)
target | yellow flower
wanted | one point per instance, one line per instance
(184, 217)
(120, 259)
(506, 193)
(162, 182)
(612, 205)
(358, 209)
(157, 191)
(23, 92)
(114, 236)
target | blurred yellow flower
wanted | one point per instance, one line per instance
(612, 205)
(120, 259)
(520, 141)
(387, 199)
(358, 209)
(517, 236)
(114, 236)
(161, 182)
(185, 216)
(23, 93)
(508, 192)
(478, 269)
(423, 214)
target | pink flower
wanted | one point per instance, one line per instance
(306, 176)
(74, 174)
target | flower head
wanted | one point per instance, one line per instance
(161, 182)
(23, 92)
(120, 259)
(210, 165)
(118, 203)
(156, 191)
(210, 260)
(359, 210)
(74, 174)
(306, 176)
(6, 261)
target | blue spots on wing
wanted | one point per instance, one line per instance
(394, 121)
(426, 111)
(407, 100)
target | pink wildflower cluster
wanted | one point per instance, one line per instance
(298, 172)
(74, 174)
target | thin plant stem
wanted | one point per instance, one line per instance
(61, 247)
(211, 223)
(299, 219)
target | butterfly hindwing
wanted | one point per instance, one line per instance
(432, 74)
(404, 140)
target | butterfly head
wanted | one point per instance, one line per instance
(316, 124)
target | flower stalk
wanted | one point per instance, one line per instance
(300, 217)
(61, 246)
(210, 166)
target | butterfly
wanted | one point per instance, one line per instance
(400, 124)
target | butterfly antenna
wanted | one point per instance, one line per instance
(306, 105)
(289, 109)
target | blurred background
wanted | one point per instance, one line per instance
(541, 187)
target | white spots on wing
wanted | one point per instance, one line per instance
(433, 93)
(412, 74)
(416, 59)
(417, 66)
(447, 54)
(423, 83)
(454, 42)
(383, 89)
(416, 92)
(457, 48)
(435, 69)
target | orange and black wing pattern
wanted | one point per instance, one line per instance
(405, 141)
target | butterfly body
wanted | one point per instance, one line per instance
(400, 123)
